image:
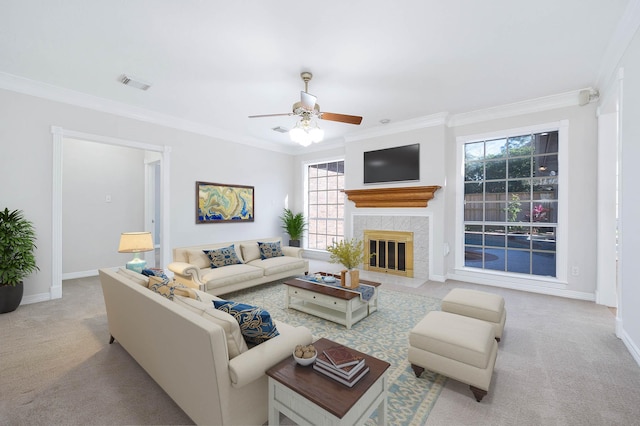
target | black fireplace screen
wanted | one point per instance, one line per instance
(388, 255)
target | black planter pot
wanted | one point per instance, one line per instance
(10, 297)
(294, 243)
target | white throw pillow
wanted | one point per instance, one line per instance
(198, 259)
(235, 342)
(250, 252)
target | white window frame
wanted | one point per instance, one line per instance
(508, 279)
(305, 175)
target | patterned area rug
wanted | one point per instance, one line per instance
(384, 334)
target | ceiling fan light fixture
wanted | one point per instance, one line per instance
(299, 135)
(306, 132)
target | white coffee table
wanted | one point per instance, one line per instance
(331, 303)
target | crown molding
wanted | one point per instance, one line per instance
(433, 120)
(561, 100)
(71, 97)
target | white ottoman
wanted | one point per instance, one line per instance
(477, 304)
(458, 347)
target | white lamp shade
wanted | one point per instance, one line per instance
(135, 242)
(316, 134)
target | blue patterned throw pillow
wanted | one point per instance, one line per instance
(269, 250)
(255, 323)
(224, 256)
(154, 272)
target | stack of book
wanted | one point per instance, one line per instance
(340, 364)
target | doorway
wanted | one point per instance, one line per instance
(153, 177)
(162, 157)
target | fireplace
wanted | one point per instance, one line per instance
(389, 251)
(418, 226)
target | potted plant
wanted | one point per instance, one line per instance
(295, 225)
(17, 257)
(349, 253)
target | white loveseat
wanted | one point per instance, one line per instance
(192, 267)
(189, 355)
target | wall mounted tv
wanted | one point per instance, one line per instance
(392, 164)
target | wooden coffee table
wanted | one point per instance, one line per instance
(331, 303)
(308, 397)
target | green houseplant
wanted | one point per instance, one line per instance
(349, 253)
(294, 225)
(17, 257)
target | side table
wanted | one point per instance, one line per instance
(308, 397)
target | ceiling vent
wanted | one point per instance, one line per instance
(134, 82)
(279, 129)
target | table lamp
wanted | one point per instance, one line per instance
(136, 243)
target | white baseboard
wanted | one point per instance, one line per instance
(79, 274)
(550, 290)
(630, 344)
(316, 255)
(36, 298)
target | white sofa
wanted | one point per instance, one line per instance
(189, 355)
(191, 266)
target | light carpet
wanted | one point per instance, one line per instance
(383, 334)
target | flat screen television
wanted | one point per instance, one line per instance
(392, 164)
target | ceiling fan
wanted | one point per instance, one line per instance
(308, 108)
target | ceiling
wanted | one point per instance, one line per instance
(214, 63)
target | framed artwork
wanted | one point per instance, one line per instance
(217, 202)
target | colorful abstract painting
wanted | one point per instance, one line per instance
(223, 203)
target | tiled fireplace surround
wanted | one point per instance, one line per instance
(419, 225)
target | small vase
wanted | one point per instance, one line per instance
(351, 278)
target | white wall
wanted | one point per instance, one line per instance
(229, 163)
(439, 166)
(432, 172)
(26, 159)
(578, 183)
(91, 226)
(607, 270)
(628, 312)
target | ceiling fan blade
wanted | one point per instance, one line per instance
(308, 101)
(351, 119)
(270, 115)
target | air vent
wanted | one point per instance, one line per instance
(280, 129)
(134, 82)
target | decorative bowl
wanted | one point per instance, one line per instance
(329, 279)
(305, 361)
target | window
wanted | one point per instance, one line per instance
(325, 209)
(511, 203)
